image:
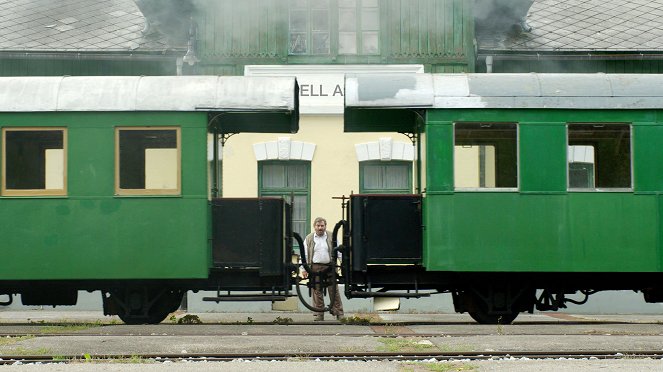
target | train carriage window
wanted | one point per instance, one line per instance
(485, 156)
(599, 156)
(34, 162)
(147, 161)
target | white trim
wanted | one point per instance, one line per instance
(384, 149)
(283, 148)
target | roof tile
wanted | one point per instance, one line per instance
(587, 25)
(71, 25)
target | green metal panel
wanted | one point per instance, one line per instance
(577, 232)
(92, 234)
(439, 157)
(543, 227)
(542, 157)
(59, 67)
(252, 30)
(551, 65)
(648, 157)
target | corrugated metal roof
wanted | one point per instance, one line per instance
(579, 91)
(585, 25)
(147, 93)
(76, 26)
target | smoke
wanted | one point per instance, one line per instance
(170, 18)
(501, 15)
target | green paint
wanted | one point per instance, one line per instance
(542, 226)
(92, 234)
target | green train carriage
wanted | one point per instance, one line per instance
(108, 183)
(533, 187)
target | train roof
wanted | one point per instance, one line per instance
(568, 91)
(148, 93)
(490, 91)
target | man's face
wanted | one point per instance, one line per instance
(320, 228)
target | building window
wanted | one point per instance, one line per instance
(599, 156)
(385, 177)
(34, 161)
(309, 27)
(358, 27)
(288, 179)
(485, 156)
(147, 161)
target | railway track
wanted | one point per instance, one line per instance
(340, 356)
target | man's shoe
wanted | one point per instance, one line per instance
(318, 318)
(340, 317)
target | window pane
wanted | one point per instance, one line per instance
(318, 4)
(320, 43)
(347, 19)
(347, 43)
(370, 20)
(297, 176)
(273, 176)
(396, 177)
(298, 3)
(370, 44)
(298, 20)
(369, 3)
(485, 155)
(319, 20)
(385, 177)
(347, 3)
(298, 43)
(602, 152)
(148, 159)
(34, 159)
(372, 177)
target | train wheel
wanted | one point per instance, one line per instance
(483, 317)
(494, 306)
(144, 306)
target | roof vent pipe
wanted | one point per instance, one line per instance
(489, 64)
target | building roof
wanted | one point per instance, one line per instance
(76, 26)
(550, 91)
(584, 25)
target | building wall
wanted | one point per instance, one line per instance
(334, 167)
(436, 33)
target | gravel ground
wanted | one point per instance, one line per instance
(495, 365)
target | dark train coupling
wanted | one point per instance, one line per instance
(553, 300)
(322, 279)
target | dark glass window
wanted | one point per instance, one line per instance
(599, 156)
(34, 161)
(486, 155)
(148, 161)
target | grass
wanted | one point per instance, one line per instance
(6, 341)
(403, 344)
(362, 319)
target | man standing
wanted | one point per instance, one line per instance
(318, 248)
